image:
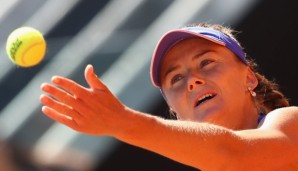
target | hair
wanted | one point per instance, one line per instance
(268, 96)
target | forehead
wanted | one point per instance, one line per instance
(192, 45)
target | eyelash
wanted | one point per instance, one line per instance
(176, 78)
(205, 62)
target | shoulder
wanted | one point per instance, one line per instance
(283, 119)
(277, 131)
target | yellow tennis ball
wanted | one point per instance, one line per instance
(26, 46)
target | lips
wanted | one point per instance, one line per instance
(204, 98)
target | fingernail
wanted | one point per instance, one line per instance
(43, 99)
(90, 67)
(55, 79)
(44, 87)
(44, 109)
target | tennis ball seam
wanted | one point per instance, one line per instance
(15, 46)
(22, 59)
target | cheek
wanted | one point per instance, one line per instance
(229, 84)
(176, 100)
(226, 78)
(233, 89)
(172, 101)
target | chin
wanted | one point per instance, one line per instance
(210, 114)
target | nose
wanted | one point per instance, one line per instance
(194, 83)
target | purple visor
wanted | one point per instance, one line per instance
(174, 36)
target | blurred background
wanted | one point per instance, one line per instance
(118, 38)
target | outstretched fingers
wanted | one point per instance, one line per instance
(70, 86)
(64, 119)
(64, 97)
(61, 108)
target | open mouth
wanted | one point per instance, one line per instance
(204, 99)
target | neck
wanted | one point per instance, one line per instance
(251, 116)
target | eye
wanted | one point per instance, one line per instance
(176, 78)
(205, 62)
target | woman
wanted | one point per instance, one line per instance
(229, 116)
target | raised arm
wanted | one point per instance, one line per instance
(96, 111)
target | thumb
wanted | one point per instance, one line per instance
(92, 78)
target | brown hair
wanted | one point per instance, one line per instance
(268, 95)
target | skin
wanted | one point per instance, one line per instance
(220, 134)
(189, 73)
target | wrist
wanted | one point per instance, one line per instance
(134, 125)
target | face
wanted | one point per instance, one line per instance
(203, 81)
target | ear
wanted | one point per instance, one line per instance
(251, 79)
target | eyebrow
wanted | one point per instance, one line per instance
(200, 54)
(175, 67)
(171, 69)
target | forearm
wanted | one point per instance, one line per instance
(195, 144)
(206, 146)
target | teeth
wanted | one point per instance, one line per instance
(204, 98)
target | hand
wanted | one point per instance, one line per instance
(93, 110)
